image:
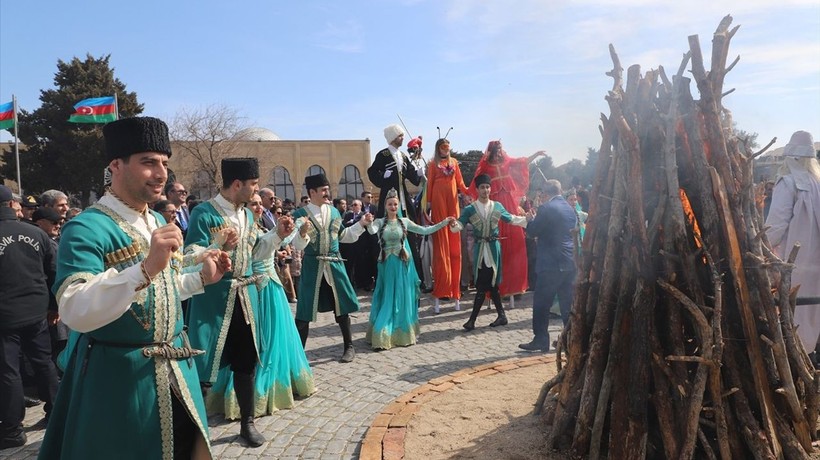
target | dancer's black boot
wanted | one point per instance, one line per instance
(303, 327)
(499, 308)
(347, 336)
(244, 388)
(478, 302)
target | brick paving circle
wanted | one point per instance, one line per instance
(385, 438)
(333, 422)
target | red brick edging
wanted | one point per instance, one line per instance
(385, 437)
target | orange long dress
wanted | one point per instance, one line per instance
(444, 181)
(509, 182)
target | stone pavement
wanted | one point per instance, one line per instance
(331, 424)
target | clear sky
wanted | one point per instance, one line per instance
(531, 72)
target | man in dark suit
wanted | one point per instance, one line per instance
(351, 251)
(177, 195)
(268, 203)
(555, 264)
(367, 203)
(391, 169)
(367, 248)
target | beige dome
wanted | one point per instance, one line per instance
(256, 134)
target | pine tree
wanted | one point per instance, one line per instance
(62, 155)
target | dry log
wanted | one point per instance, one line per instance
(681, 341)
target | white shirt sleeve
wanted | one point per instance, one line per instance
(190, 284)
(520, 221)
(352, 233)
(265, 245)
(374, 227)
(101, 300)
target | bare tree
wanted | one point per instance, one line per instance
(205, 136)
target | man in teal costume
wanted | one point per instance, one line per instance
(130, 389)
(223, 320)
(484, 215)
(324, 285)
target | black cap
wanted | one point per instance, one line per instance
(482, 179)
(5, 193)
(46, 213)
(128, 136)
(316, 181)
(239, 169)
(30, 201)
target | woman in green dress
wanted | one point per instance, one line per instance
(394, 316)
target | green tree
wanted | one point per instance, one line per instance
(542, 170)
(61, 155)
(745, 137)
(468, 162)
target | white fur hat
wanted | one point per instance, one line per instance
(392, 132)
(800, 145)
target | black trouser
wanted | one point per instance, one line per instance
(34, 340)
(327, 304)
(366, 260)
(185, 430)
(240, 351)
(484, 284)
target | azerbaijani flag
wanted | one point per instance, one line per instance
(7, 115)
(94, 110)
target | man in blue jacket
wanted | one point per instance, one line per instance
(554, 265)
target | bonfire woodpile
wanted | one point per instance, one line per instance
(681, 343)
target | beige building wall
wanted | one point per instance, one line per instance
(296, 157)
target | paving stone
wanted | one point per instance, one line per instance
(332, 423)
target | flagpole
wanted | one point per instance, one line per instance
(116, 105)
(16, 148)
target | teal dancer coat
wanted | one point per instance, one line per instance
(207, 312)
(485, 233)
(321, 260)
(114, 401)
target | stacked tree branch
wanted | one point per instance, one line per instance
(681, 341)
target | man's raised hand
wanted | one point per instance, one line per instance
(214, 265)
(165, 241)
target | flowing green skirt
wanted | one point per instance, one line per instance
(283, 371)
(394, 313)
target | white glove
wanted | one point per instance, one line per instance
(388, 173)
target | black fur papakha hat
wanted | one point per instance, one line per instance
(239, 169)
(316, 181)
(128, 136)
(482, 179)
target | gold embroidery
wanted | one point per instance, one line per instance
(79, 277)
(166, 416)
(188, 401)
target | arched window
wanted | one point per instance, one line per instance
(282, 185)
(315, 169)
(350, 185)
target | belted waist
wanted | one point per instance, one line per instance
(326, 257)
(332, 257)
(155, 349)
(489, 238)
(246, 280)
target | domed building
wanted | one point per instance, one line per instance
(283, 164)
(256, 134)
